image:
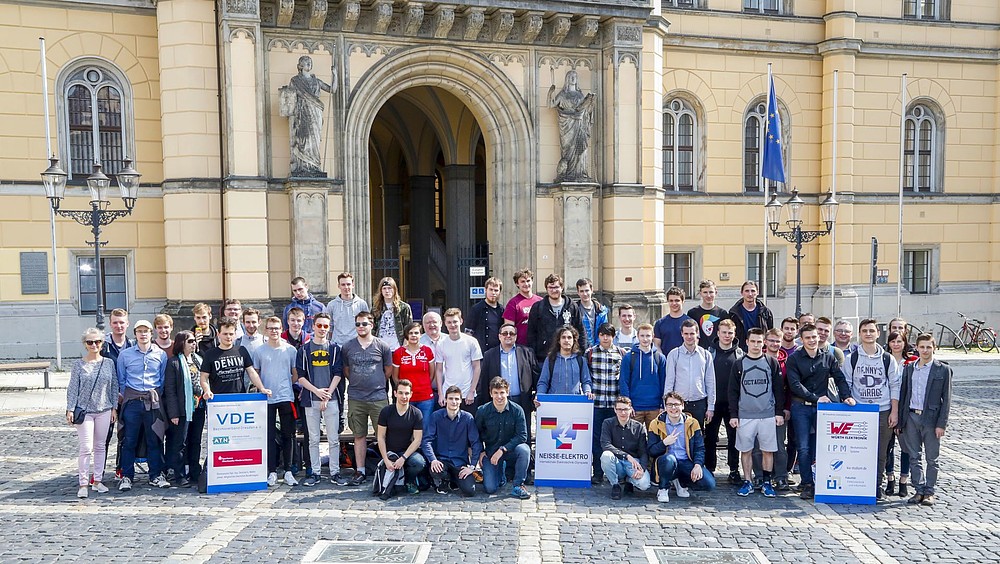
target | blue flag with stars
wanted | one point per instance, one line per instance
(774, 162)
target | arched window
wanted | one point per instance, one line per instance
(680, 138)
(922, 150)
(95, 113)
(754, 124)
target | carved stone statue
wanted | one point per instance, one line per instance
(576, 122)
(300, 102)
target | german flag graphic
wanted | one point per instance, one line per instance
(549, 423)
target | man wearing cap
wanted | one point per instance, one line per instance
(140, 379)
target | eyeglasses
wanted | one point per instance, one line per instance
(675, 405)
(622, 409)
(508, 333)
(92, 343)
(191, 341)
(361, 324)
(843, 331)
(274, 328)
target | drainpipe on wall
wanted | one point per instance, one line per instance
(222, 153)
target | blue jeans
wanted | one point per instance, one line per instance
(600, 414)
(494, 475)
(669, 468)
(426, 408)
(616, 469)
(135, 417)
(804, 422)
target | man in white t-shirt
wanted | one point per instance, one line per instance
(460, 354)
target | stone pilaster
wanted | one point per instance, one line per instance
(574, 224)
(310, 236)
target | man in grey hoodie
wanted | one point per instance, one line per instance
(343, 309)
(874, 378)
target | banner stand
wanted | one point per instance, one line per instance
(237, 443)
(563, 441)
(846, 453)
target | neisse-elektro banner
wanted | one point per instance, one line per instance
(846, 453)
(237, 443)
(563, 441)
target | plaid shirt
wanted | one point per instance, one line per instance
(605, 369)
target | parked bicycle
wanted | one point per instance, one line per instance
(975, 332)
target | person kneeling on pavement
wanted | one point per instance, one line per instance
(678, 447)
(623, 442)
(400, 432)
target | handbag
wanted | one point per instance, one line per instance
(79, 413)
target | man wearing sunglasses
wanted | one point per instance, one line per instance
(367, 368)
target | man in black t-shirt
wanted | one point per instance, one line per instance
(707, 314)
(400, 431)
(223, 366)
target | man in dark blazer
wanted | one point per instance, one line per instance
(924, 404)
(495, 362)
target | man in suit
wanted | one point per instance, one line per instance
(514, 363)
(924, 403)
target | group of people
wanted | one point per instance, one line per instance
(462, 399)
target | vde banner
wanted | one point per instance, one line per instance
(237, 443)
(563, 441)
(846, 453)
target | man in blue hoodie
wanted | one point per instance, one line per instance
(302, 299)
(594, 315)
(644, 372)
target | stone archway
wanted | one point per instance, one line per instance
(506, 127)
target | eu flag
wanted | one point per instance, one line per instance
(774, 162)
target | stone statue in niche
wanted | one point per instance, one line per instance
(300, 102)
(576, 123)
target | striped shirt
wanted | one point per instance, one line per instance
(605, 369)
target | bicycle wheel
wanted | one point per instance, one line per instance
(986, 341)
(961, 339)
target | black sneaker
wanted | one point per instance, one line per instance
(339, 479)
(735, 478)
(442, 488)
(184, 482)
(808, 491)
(616, 492)
(782, 485)
(309, 481)
(629, 488)
(357, 480)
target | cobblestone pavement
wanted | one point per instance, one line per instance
(46, 522)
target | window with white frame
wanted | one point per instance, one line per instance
(917, 270)
(755, 266)
(682, 3)
(115, 276)
(95, 115)
(921, 150)
(763, 6)
(754, 125)
(678, 270)
(680, 137)
(922, 9)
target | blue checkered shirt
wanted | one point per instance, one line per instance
(605, 370)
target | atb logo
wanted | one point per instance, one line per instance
(220, 440)
(841, 428)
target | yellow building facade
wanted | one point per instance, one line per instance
(440, 150)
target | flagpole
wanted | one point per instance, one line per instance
(902, 172)
(52, 213)
(833, 191)
(763, 272)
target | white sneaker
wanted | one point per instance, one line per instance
(681, 490)
(125, 485)
(290, 479)
(159, 482)
(663, 495)
(82, 492)
(272, 479)
(100, 488)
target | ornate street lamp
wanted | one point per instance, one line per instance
(795, 234)
(54, 180)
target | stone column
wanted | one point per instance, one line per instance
(460, 214)
(574, 223)
(421, 230)
(310, 235)
(392, 212)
